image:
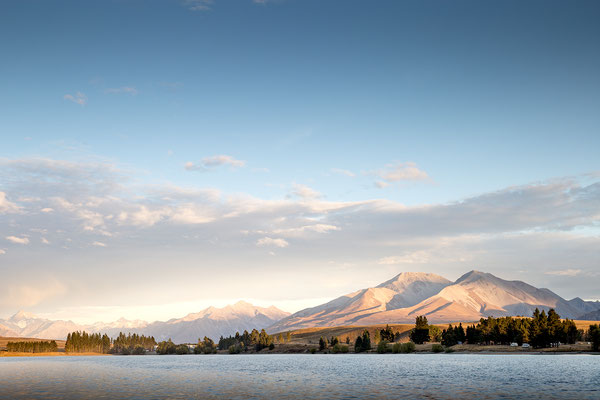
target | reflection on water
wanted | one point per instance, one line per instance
(365, 376)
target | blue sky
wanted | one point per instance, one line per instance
(418, 104)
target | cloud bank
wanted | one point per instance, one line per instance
(69, 219)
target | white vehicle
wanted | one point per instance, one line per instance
(514, 344)
(526, 345)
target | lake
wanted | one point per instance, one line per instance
(279, 376)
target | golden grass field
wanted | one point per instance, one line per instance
(5, 340)
(312, 335)
(53, 354)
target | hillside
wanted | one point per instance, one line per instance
(405, 289)
(473, 296)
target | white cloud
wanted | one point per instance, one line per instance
(565, 272)
(214, 161)
(99, 244)
(2, 251)
(17, 240)
(7, 206)
(45, 241)
(396, 172)
(78, 98)
(198, 5)
(123, 89)
(90, 200)
(305, 192)
(343, 172)
(318, 228)
(47, 210)
(417, 257)
(267, 241)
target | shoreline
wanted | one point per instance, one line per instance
(50, 354)
(541, 352)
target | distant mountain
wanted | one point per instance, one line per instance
(25, 324)
(212, 322)
(404, 290)
(585, 306)
(473, 296)
(591, 316)
(215, 322)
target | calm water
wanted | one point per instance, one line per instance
(434, 376)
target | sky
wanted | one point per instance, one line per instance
(158, 157)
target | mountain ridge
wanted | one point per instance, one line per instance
(229, 319)
(472, 296)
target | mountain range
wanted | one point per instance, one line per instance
(212, 322)
(473, 296)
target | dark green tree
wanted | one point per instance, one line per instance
(420, 334)
(594, 335)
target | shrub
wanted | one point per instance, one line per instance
(138, 350)
(407, 347)
(182, 349)
(313, 350)
(339, 348)
(384, 347)
(449, 350)
(233, 349)
(437, 348)
(166, 347)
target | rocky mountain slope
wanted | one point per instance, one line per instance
(473, 296)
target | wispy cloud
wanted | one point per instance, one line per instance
(305, 192)
(564, 272)
(399, 171)
(78, 98)
(123, 89)
(2, 252)
(208, 163)
(341, 171)
(17, 240)
(7, 206)
(99, 244)
(205, 5)
(198, 5)
(277, 242)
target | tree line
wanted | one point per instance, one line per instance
(243, 342)
(132, 344)
(83, 342)
(32, 347)
(542, 330)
